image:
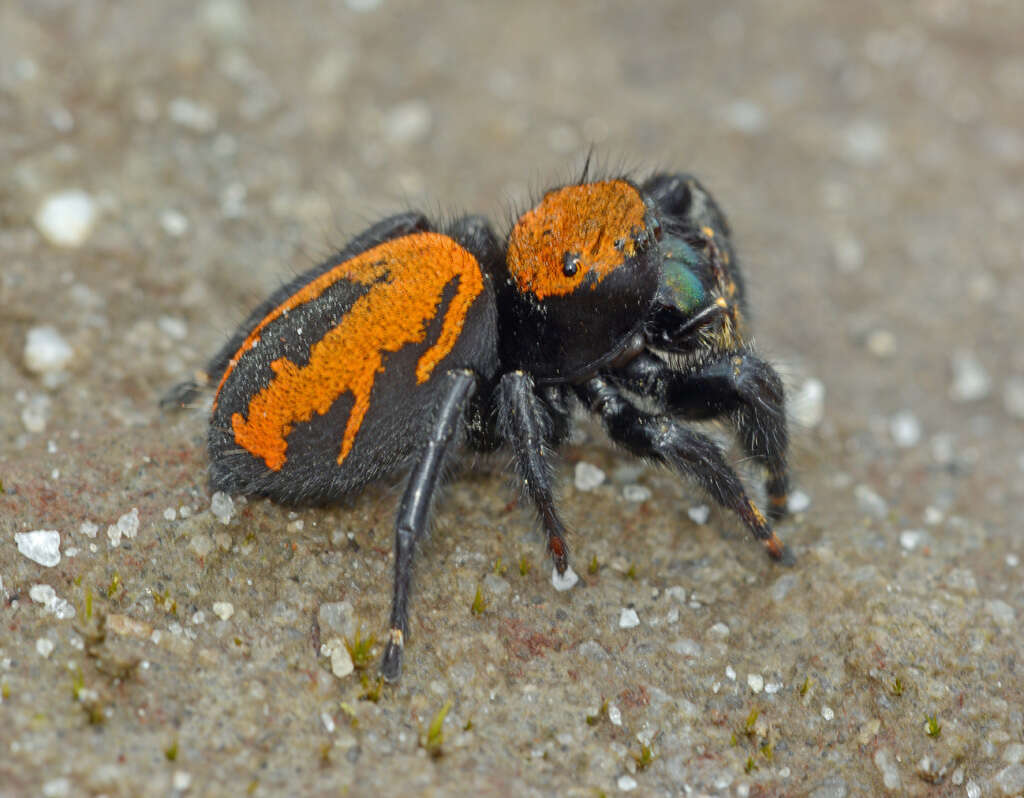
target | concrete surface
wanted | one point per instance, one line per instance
(871, 156)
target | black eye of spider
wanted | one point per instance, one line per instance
(570, 264)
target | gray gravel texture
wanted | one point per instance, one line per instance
(871, 157)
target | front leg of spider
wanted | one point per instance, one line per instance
(525, 425)
(737, 385)
(414, 509)
(663, 439)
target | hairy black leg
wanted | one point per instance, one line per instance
(415, 508)
(739, 386)
(662, 438)
(524, 423)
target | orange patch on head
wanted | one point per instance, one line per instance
(407, 277)
(584, 220)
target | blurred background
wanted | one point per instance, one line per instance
(165, 166)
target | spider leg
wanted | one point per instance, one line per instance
(738, 386)
(526, 425)
(415, 508)
(662, 438)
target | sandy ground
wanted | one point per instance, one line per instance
(871, 156)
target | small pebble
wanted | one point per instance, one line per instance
(36, 413)
(865, 142)
(564, 581)
(1012, 560)
(849, 254)
(66, 219)
(181, 780)
(223, 609)
(636, 493)
(881, 343)
(222, 506)
(1014, 753)
(745, 116)
(89, 529)
(890, 773)
(755, 682)
(730, 673)
(905, 429)
(1001, 612)
(408, 122)
(201, 544)
(47, 596)
(170, 514)
(910, 539)
(798, 501)
(870, 502)
(614, 715)
(933, 515)
(699, 514)
(807, 406)
(971, 381)
(686, 648)
(127, 526)
(628, 618)
(341, 660)
(1010, 780)
(174, 223)
(191, 115)
(174, 328)
(45, 350)
(40, 545)
(44, 647)
(827, 713)
(57, 788)
(973, 790)
(588, 477)
(627, 783)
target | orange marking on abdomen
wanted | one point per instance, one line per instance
(585, 219)
(407, 277)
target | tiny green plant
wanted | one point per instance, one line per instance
(594, 566)
(524, 566)
(500, 568)
(897, 687)
(932, 726)
(593, 720)
(631, 573)
(115, 583)
(644, 758)
(806, 686)
(77, 683)
(88, 605)
(750, 723)
(434, 737)
(361, 648)
(348, 712)
(371, 689)
(171, 751)
(479, 605)
(751, 765)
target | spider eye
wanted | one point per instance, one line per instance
(680, 287)
(570, 264)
